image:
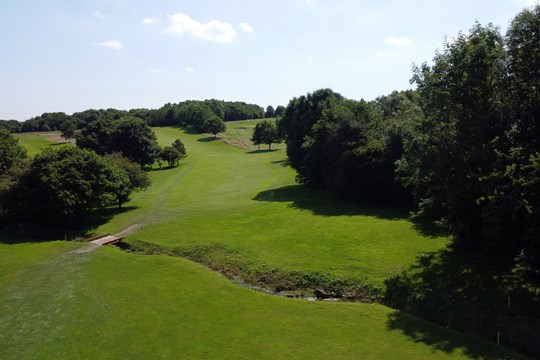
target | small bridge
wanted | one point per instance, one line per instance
(106, 239)
(97, 241)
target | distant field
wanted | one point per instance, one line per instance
(239, 133)
(35, 142)
(110, 304)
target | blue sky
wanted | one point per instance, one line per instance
(72, 55)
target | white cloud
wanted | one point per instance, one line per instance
(246, 27)
(150, 21)
(111, 44)
(98, 15)
(308, 2)
(213, 30)
(190, 70)
(398, 41)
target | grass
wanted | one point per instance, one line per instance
(249, 203)
(111, 304)
(35, 142)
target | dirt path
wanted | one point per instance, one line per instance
(107, 239)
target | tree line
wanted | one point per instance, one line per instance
(188, 113)
(464, 147)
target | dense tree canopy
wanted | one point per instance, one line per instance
(63, 184)
(348, 147)
(129, 135)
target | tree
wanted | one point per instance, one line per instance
(214, 125)
(135, 140)
(96, 136)
(269, 112)
(170, 155)
(269, 133)
(62, 185)
(256, 136)
(138, 178)
(12, 163)
(11, 152)
(279, 111)
(68, 128)
(180, 147)
(464, 104)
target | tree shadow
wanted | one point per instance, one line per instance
(163, 168)
(420, 331)
(428, 227)
(468, 291)
(16, 233)
(208, 139)
(262, 151)
(321, 203)
(285, 162)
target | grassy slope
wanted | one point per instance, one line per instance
(249, 202)
(35, 142)
(109, 304)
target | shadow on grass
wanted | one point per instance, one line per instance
(34, 232)
(285, 162)
(420, 331)
(427, 227)
(469, 291)
(208, 139)
(262, 151)
(163, 168)
(323, 204)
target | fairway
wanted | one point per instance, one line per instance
(248, 202)
(109, 304)
(35, 142)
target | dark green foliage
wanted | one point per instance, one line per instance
(269, 113)
(214, 125)
(138, 178)
(62, 185)
(129, 135)
(68, 129)
(280, 110)
(267, 133)
(348, 147)
(195, 113)
(180, 147)
(12, 163)
(11, 152)
(170, 155)
(462, 101)
(96, 136)
(11, 125)
(135, 140)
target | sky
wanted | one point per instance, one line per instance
(73, 55)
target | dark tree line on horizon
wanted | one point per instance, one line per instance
(187, 113)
